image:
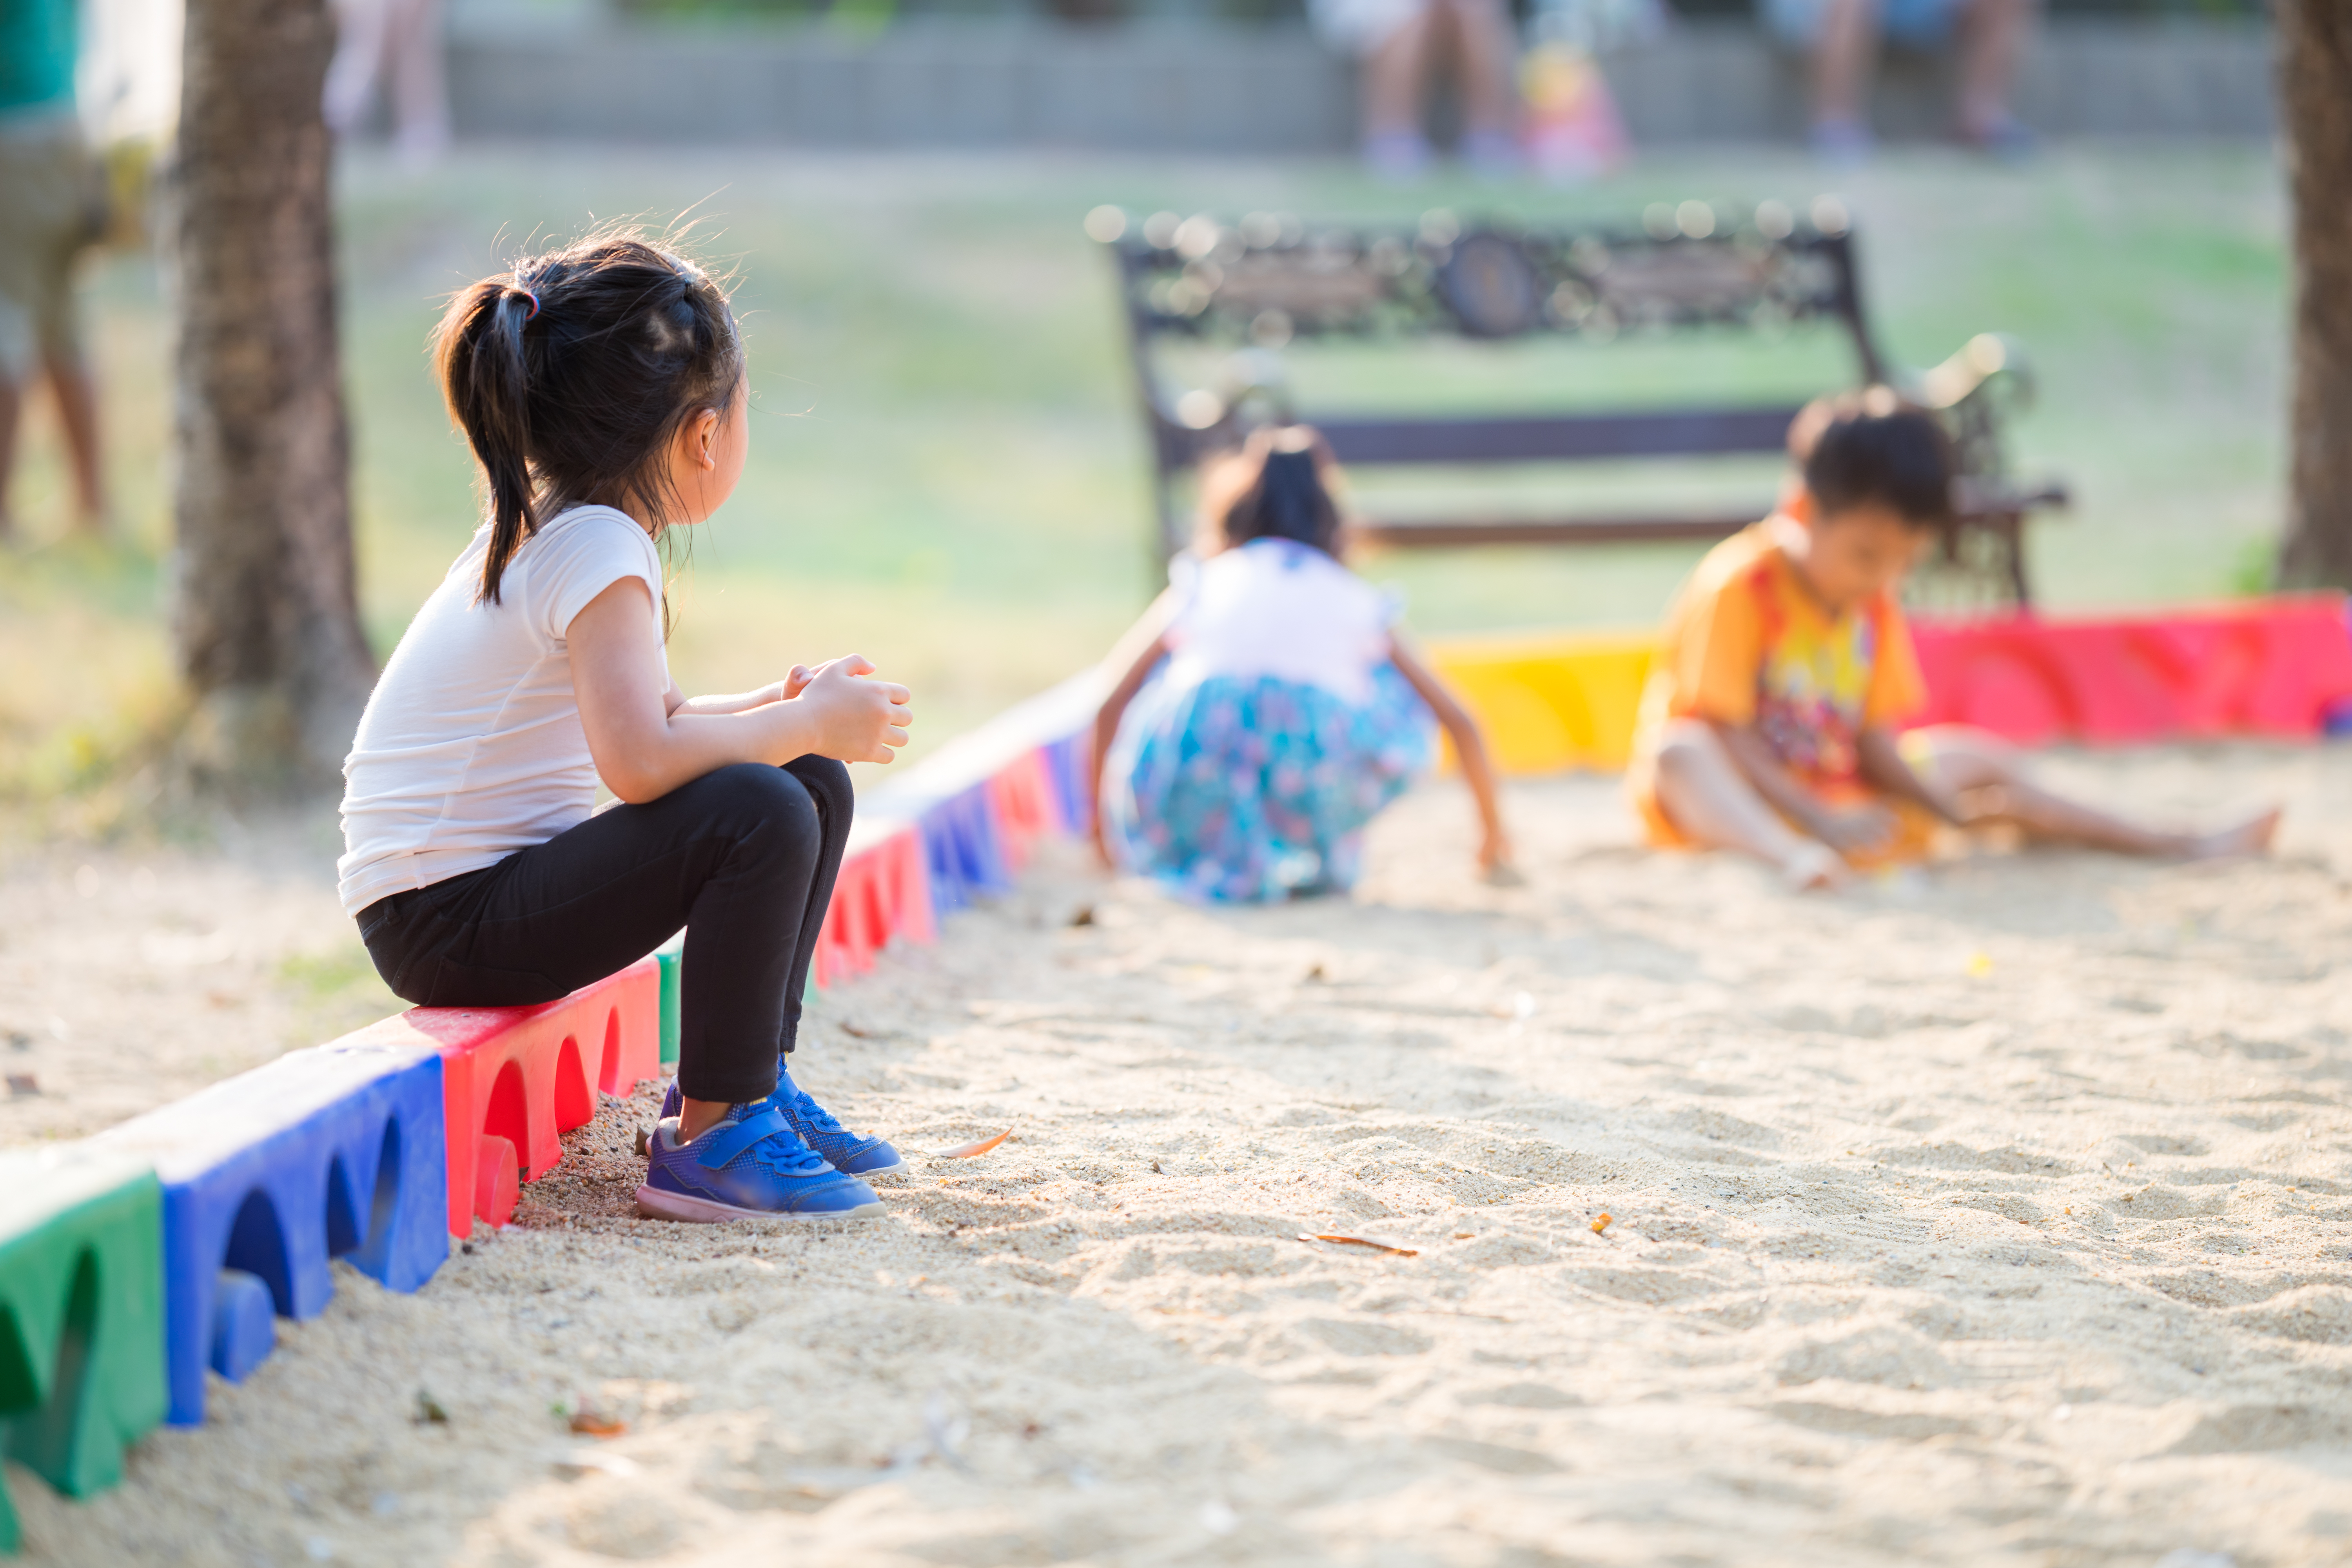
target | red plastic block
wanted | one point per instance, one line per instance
(1021, 792)
(883, 891)
(2269, 666)
(513, 1078)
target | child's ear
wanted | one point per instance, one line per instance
(1797, 503)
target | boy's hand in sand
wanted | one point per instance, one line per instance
(859, 721)
(1856, 830)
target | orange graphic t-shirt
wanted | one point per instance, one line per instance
(1747, 643)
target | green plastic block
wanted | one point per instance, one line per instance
(671, 954)
(82, 1316)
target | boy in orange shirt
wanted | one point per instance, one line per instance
(1768, 722)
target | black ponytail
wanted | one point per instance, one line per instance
(571, 376)
(1282, 493)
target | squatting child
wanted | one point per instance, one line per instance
(602, 388)
(1266, 707)
(1768, 723)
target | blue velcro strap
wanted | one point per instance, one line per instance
(721, 1144)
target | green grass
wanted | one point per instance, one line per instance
(947, 471)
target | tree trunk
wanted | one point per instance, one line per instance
(2316, 98)
(266, 616)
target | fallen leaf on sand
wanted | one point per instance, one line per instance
(590, 1424)
(1359, 1241)
(1602, 1223)
(969, 1150)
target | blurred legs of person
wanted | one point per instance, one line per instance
(1400, 42)
(1844, 37)
(399, 40)
(1993, 34)
(52, 209)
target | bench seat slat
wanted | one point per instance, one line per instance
(1664, 433)
(1426, 532)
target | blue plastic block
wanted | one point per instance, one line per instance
(336, 1151)
(245, 1324)
(1065, 764)
(961, 845)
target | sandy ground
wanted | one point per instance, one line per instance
(131, 978)
(1991, 1214)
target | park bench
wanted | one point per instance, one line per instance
(1260, 284)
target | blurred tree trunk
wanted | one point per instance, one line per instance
(2316, 98)
(266, 618)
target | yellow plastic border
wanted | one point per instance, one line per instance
(1551, 700)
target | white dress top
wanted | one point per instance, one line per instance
(1278, 608)
(471, 746)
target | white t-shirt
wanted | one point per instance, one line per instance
(471, 746)
(1278, 608)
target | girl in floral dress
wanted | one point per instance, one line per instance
(1266, 708)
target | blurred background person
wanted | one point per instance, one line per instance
(1400, 43)
(397, 43)
(1842, 37)
(52, 209)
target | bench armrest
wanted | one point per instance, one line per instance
(1984, 361)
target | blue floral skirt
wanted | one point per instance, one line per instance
(1242, 791)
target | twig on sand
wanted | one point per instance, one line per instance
(969, 1150)
(1361, 1241)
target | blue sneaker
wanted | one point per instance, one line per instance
(750, 1166)
(851, 1153)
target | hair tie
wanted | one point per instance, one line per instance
(532, 314)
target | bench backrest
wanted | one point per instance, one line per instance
(1267, 280)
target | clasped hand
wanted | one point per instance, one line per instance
(857, 720)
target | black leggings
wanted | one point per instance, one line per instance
(743, 858)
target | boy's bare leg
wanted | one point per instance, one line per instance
(12, 403)
(1842, 60)
(1709, 799)
(1985, 771)
(1392, 81)
(1994, 38)
(77, 396)
(1483, 47)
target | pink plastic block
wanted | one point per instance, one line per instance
(514, 1077)
(1022, 794)
(883, 893)
(2269, 667)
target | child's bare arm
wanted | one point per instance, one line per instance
(1856, 829)
(1469, 744)
(1134, 656)
(1881, 763)
(644, 748)
(784, 690)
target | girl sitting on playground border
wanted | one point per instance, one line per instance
(1767, 725)
(1266, 708)
(602, 387)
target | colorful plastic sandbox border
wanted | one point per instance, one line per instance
(2278, 667)
(134, 1263)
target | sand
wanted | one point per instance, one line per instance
(1993, 1213)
